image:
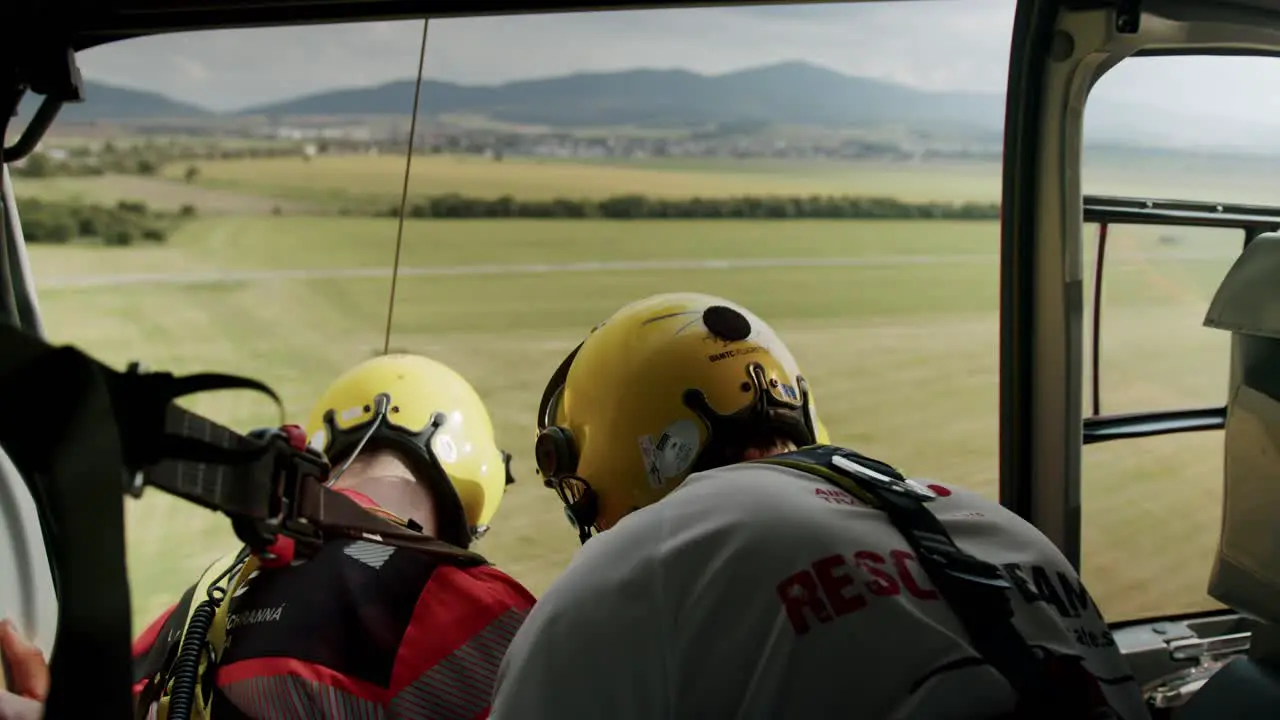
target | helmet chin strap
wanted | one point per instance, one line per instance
(583, 511)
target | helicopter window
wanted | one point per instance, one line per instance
(269, 164)
(1159, 238)
(1156, 284)
(237, 210)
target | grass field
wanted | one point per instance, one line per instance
(338, 179)
(332, 181)
(894, 322)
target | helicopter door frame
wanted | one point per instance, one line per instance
(19, 292)
(1058, 54)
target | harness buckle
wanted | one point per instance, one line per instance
(902, 485)
(291, 467)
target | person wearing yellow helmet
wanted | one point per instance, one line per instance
(429, 454)
(360, 628)
(733, 566)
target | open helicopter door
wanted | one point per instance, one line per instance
(1246, 571)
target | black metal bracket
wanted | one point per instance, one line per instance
(1105, 428)
(1186, 213)
(53, 73)
(1128, 16)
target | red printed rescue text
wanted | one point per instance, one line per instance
(837, 585)
(829, 588)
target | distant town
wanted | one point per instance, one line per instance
(380, 136)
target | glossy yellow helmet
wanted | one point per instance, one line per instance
(435, 419)
(669, 385)
(822, 436)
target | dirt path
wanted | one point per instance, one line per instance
(235, 276)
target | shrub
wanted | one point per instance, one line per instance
(60, 222)
(634, 207)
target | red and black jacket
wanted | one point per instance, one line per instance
(360, 630)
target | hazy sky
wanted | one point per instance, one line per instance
(929, 44)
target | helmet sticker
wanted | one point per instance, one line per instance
(736, 352)
(649, 456)
(676, 448)
(446, 450)
(318, 439)
(351, 413)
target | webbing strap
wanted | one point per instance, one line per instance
(57, 430)
(337, 515)
(258, 481)
(81, 434)
(975, 590)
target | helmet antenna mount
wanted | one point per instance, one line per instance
(381, 405)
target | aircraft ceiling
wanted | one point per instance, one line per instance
(93, 22)
(86, 23)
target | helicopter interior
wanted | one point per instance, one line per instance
(1218, 663)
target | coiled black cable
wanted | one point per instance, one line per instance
(186, 668)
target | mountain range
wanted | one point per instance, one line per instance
(105, 102)
(788, 93)
(792, 93)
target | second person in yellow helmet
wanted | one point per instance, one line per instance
(732, 568)
(363, 629)
(433, 463)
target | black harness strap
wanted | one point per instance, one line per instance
(336, 515)
(975, 590)
(57, 429)
(266, 485)
(270, 488)
(82, 434)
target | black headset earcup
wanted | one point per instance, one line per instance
(555, 453)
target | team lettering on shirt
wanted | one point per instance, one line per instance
(829, 588)
(837, 585)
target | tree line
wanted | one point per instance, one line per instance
(130, 221)
(636, 207)
(147, 158)
(125, 223)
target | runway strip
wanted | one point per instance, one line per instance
(238, 276)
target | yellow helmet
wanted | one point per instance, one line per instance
(669, 385)
(432, 416)
(821, 435)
